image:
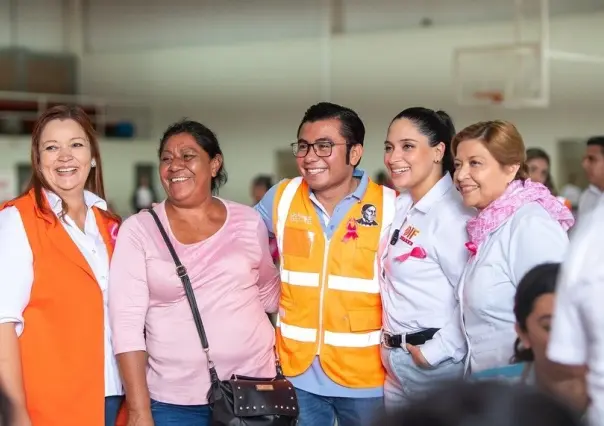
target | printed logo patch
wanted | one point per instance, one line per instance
(409, 234)
(368, 215)
(299, 218)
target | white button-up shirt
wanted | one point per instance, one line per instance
(16, 263)
(526, 239)
(590, 198)
(420, 293)
(577, 336)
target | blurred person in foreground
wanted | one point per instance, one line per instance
(224, 247)
(56, 241)
(482, 404)
(577, 337)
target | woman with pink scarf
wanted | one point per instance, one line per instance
(519, 225)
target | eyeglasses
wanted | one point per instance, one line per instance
(322, 149)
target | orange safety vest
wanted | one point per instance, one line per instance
(330, 301)
(62, 352)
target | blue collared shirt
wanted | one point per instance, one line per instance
(314, 380)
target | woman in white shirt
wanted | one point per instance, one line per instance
(423, 258)
(520, 224)
(56, 359)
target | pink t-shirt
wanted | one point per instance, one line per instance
(235, 283)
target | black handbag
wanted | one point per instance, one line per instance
(240, 401)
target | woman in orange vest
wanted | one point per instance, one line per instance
(538, 163)
(56, 240)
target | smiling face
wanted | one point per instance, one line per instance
(325, 172)
(408, 156)
(65, 156)
(186, 170)
(480, 178)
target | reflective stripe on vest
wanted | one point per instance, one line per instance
(348, 340)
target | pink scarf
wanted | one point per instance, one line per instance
(517, 194)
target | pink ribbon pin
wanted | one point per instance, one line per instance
(113, 229)
(472, 248)
(351, 231)
(417, 252)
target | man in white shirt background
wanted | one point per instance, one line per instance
(593, 164)
(577, 337)
(571, 191)
(144, 195)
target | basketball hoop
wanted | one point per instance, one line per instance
(495, 97)
(507, 75)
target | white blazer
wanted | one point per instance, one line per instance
(526, 239)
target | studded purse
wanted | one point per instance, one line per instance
(241, 400)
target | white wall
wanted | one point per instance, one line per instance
(249, 146)
(38, 25)
(253, 95)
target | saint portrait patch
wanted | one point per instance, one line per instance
(368, 215)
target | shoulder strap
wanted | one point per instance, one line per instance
(181, 271)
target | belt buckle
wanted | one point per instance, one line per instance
(384, 340)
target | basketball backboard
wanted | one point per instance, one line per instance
(507, 75)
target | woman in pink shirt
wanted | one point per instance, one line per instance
(224, 246)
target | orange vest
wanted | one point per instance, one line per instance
(330, 294)
(62, 351)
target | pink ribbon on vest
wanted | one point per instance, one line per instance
(351, 231)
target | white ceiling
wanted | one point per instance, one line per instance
(372, 15)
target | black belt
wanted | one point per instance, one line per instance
(414, 339)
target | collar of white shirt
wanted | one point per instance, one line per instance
(91, 200)
(434, 195)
